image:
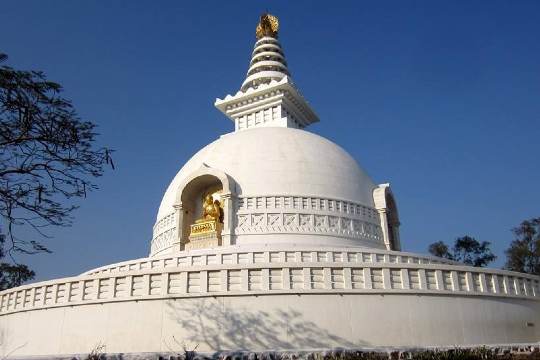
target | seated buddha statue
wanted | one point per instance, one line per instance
(211, 210)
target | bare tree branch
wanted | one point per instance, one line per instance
(48, 157)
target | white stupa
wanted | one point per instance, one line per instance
(272, 237)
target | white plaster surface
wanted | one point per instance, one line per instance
(259, 298)
(281, 161)
(272, 322)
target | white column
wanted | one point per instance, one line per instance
(179, 218)
(227, 202)
(384, 227)
(327, 272)
(405, 279)
(367, 278)
(440, 280)
(165, 283)
(307, 278)
(203, 278)
(387, 282)
(347, 278)
(265, 279)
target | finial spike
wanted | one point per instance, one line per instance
(268, 61)
(268, 26)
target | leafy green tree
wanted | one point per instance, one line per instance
(466, 250)
(440, 249)
(523, 255)
(48, 158)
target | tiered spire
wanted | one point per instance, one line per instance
(267, 60)
(267, 97)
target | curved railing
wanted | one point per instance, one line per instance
(262, 254)
(170, 280)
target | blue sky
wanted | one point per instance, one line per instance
(441, 99)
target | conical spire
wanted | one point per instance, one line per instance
(267, 60)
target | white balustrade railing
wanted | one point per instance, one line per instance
(232, 255)
(270, 278)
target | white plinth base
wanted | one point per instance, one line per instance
(208, 235)
(203, 242)
(279, 322)
(271, 297)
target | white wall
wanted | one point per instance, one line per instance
(260, 298)
(271, 322)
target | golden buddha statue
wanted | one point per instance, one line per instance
(211, 210)
(206, 232)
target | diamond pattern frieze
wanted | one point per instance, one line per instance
(257, 220)
(320, 221)
(289, 219)
(346, 224)
(242, 221)
(305, 220)
(333, 223)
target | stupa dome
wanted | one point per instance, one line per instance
(279, 161)
(287, 185)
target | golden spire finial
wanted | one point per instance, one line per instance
(267, 26)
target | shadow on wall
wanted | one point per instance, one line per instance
(211, 324)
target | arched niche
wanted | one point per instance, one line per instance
(189, 197)
(385, 203)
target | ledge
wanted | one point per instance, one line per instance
(266, 278)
